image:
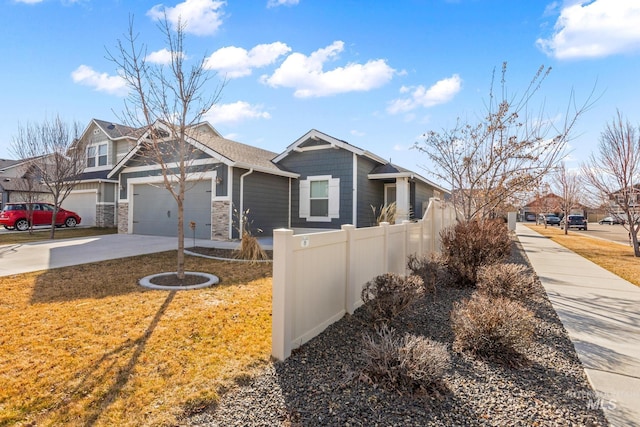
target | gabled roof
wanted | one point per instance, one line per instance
(113, 130)
(315, 139)
(204, 137)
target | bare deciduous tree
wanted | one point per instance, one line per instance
(569, 187)
(506, 153)
(54, 160)
(613, 173)
(165, 102)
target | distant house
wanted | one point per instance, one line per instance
(549, 203)
(94, 198)
(17, 178)
(318, 182)
(625, 199)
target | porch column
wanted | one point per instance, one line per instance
(402, 199)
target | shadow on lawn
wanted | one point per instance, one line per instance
(86, 281)
(106, 370)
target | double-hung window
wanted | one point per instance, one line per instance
(96, 155)
(320, 198)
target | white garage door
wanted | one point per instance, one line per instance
(84, 204)
(155, 211)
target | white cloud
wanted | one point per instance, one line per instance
(357, 133)
(162, 56)
(235, 112)
(306, 75)
(29, 1)
(276, 3)
(441, 92)
(238, 62)
(200, 17)
(594, 29)
(102, 82)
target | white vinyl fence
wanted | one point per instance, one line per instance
(318, 277)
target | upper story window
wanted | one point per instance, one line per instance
(320, 198)
(96, 155)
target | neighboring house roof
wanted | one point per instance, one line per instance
(22, 184)
(4, 163)
(112, 130)
(549, 198)
(16, 163)
(94, 176)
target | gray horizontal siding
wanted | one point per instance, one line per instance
(335, 162)
(267, 199)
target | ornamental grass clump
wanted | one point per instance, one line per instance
(387, 295)
(507, 280)
(249, 248)
(406, 364)
(469, 245)
(494, 328)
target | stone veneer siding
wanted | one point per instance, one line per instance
(123, 218)
(105, 216)
(220, 220)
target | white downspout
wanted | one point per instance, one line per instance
(241, 213)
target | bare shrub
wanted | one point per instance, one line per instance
(386, 295)
(469, 245)
(507, 280)
(495, 328)
(408, 363)
(428, 268)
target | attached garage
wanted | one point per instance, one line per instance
(84, 204)
(155, 211)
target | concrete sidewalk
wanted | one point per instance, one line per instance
(47, 254)
(601, 313)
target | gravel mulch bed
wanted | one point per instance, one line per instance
(322, 384)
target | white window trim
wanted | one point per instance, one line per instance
(305, 198)
(97, 156)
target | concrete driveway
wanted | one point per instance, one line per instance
(35, 256)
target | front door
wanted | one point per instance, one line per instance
(389, 194)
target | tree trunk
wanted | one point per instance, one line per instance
(180, 266)
(52, 233)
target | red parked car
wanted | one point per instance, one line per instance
(16, 215)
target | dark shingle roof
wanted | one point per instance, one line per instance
(4, 163)
(240, 153)
(114, 130)
(21, 184)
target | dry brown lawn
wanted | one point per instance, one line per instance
(618, 259)
(86, 345)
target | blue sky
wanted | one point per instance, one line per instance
(377, 74)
